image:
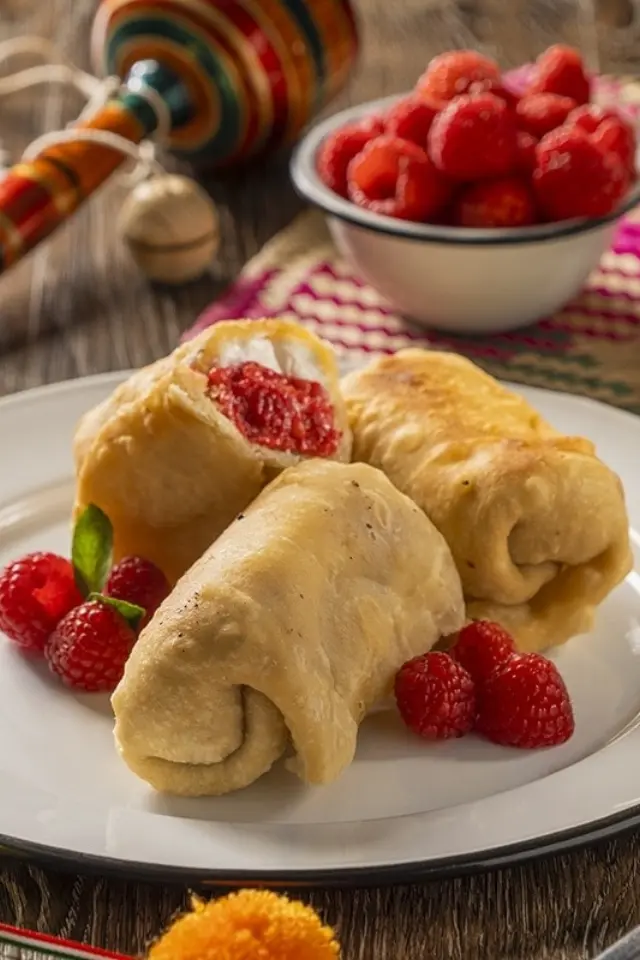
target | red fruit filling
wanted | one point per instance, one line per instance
(274, 410)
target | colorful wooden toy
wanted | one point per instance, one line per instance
(223, 80)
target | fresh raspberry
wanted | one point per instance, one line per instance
(339, 149)
(538, 113)
(507, 202)
(525, 703)
(411, 119)
(450, 74)
(90, 646)
(575, 178)
(614, 136)
(375, 124)
(481, 648)
(560, 70)
(35, 593)
(497, 88)
(435, 696)
(610, 131)
(474, 138)
(375, 170)
(138, 581)
(589, 117)
(444, 217)
(526, 152)
(396, 178)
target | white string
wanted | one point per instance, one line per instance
(47, 73)
(145, 162)
(57, 69)
(161, 109)
(103, 90)
(37, 46)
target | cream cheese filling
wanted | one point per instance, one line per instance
(287, 357)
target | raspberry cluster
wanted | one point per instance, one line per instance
(82, 615)
(465, 150)
(483, 684)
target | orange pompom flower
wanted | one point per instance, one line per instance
(248, 925)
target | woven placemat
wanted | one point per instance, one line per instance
(590, 347)
(18, 944)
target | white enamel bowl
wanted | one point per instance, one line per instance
(456, 279)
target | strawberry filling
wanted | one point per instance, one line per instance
(274, 410)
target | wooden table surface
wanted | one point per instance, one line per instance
(78, 306)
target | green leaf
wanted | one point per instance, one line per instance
(92, 550)
(131, 612)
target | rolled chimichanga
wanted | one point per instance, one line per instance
(186, 443)
(536, 523)
(288, 629)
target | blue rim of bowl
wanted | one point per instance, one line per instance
(310, 187)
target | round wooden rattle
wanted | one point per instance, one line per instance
(217, 81)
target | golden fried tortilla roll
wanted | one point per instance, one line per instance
(186, 443)
(536, 523)
(288, 629)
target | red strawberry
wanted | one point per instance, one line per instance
(575, 178)
(395, 177)
(35, 593)
(435, 696)
(451, 74)
(411, 119)
(507, 202)
(481, 648)
(526, 152)
(90, 646)
(339, 149)
(560, 70)
(538, 113)
(525, 703)
(138, 581)
(474, 138)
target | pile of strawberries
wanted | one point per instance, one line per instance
(483, 684)
(466, 150)
(82, 615)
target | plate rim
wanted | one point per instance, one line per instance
(451, 867)
(454, 865)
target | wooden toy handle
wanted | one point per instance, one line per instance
(39, 195)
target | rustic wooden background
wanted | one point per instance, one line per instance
(78, 306)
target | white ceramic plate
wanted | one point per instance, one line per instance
(403, 809)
